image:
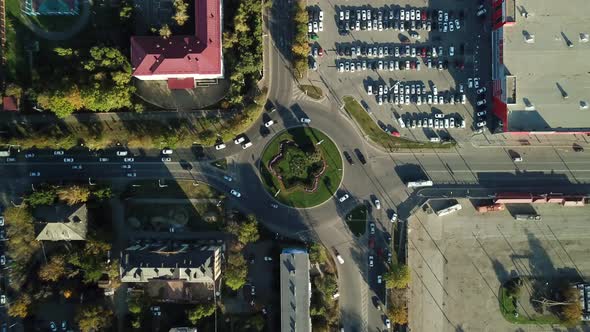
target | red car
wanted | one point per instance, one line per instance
(371, 242)
(423, 14)
(423, 51)
(413, 64)
(321, 52)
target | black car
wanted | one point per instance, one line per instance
(360, 156)
(348, 158)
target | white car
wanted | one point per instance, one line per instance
(305, 120)
(220, 146)
(167, 151)
(407, 101)
(470, 82)
(457, 24)
(476, 82)
(269, 123)
(29, 155)
(228, 178)
(166, 159)
(343, 198)
(239, 139)
(377, 204)
(68, 160)
(77, 167)
(380, 100)
(315, 26)
(321, 15)
(452, 122)
(347, 15)
(393, 217)
(440, 15)
(58, 153)
(396, 52)
(103, 160)
(3, 301)
(309, 27)
(131, 175)
(321, 26)
(370, 89)
(128, 160)
(126, 166)
(481, 113)
(402, 15)
(481, 90)
(451, 50)
(439, 116)
(364, 15)
(372, 228)
(446, 123)
(480, 124)
(235, 193)
(341, 15)
(412, 15)
(441, 100)
(436, 123)
(246, 145)
(379, 279)
(371, 261)
(481, 102)
(380, 89)
(461, 88)
(387, 323)
(430, 123)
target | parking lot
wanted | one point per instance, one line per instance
(459, 261)
(406, 63)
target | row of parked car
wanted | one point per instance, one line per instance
(316, 20)
(397, 19)
(438, 121)
(386, 50)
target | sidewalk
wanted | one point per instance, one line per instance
(530, 141)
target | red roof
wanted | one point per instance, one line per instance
(9, 103)
(182, 55)
(181, 83)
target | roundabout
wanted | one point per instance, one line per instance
(301, 167)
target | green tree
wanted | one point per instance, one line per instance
(246, 232)
(397, 277)
(200, 311)
(42, 196)
(180, 16)
(91, 260)
(93, 318)
(102, 193)
(13, 89)
(73, 195)
(54, 270)
(398, 315)
(20, 307)
(236, 271)
(317, 253)
(256, 323)
(165, 31)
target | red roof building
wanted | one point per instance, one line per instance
(10, 103)
(182, 59)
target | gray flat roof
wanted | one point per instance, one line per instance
(295, 291)
(548, 66)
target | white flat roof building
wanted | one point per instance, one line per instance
(295, 291)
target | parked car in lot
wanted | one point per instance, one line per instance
(35, 174)
(68, 160)
(480, 124)
(220, 146)
(393, 217)
(377, 204)
(131, 175)
(372, 227)
(305, 120)
(129, 160)
(235, 193)
(481, 90)
(481, 102)
(58, 153)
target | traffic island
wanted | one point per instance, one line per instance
(356, 220)
(385, 137)
(301, 167)
(312, 91)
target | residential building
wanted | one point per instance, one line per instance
(180, 60)
(188, 263)
(295, 291)
(61, 222)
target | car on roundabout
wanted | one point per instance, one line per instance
(235, 193)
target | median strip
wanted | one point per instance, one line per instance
(380, 136)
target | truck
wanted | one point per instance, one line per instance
(491, 208)
(419, 184)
